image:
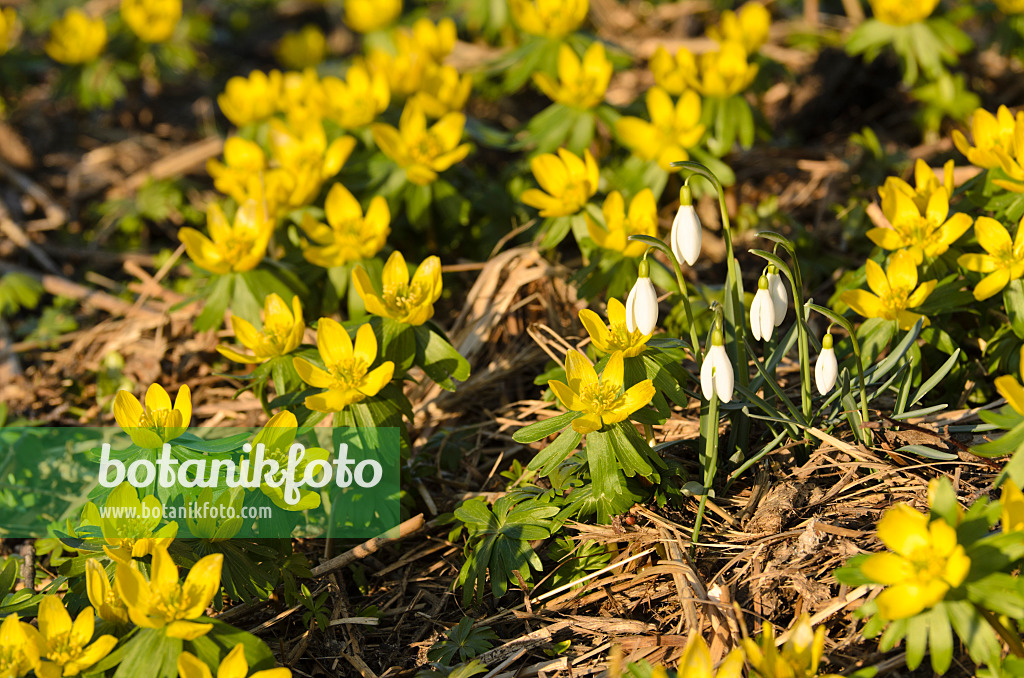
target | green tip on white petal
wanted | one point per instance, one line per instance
(826, 341)
(644, 269)
(685, 195)
(762, 282)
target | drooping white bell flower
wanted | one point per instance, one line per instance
(642, 303)
(762, 312)
(686, 231)
(780, 298)
(826, 369)
(716, 375)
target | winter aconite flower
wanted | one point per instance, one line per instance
(567, 181)
(357, 100)
(435, 41)
(642, 303)
(231, 247)
(76, 38)
(63, 645)
(826, 369)
(302, 49)
(366, 16)
(10, 30)
(152, 20)
(1003, 261)
(549, 18)
(18, 653)
(247, 100)
(129, 526)
(673, 128)
(421, 151)
(348, 235)
(164, 602)
(696, 661)
(102, 594)
(616, 336)
(224, 519)
(718, 74)
(685, 237)
(281, 334)
(762, 311)
(902, 12)
(580, 84)
(233, 665)
(307, 157)
(919, 218)
(924, 561)
(346, 374)
(998, 142)
(642, 219)
(602, 401)
(716, 373)
(443, 91)
(800, 655)
(275, 440)
(895, 292)
(158, 422)
(748, 26)
(407, 301)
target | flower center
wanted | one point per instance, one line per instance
(425, 149)
(61, 650)
(402, 299)
(601, 398)
(348, 373)
(621, 339)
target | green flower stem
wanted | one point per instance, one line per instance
(709, 427)
(846, 325)
(1011, 639)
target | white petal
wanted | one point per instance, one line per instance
(762, 315)
(826, 370)
(723, 374)
(686, 233)
(780, 298)
(706, 381)
(630, 303)
(642, 307)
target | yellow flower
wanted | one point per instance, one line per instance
(1009, 388)
(749, 26)
(1004, 261)
(128, 525)
(568, 180)
(282, 332)
(158, 422)
(251, 99)
(434, 40)
(347, 377)
(18, 654)
(1012, 502)
(75, 38)
(421, 151)
(895, 291)
(277, 438)
(164, 602)
(618, 226)
(672, 129)
(990, 132)
(348, 235)
(406, 301)
(366, 16)
(355, 101)
(10, 29)
(63, 645)
(243, 161)
(616, 336)
(231, 247)
(443, 91)
(696, 662)
(718, 74)
(102, 595)
(232, 666)
(924, 561)
(549, 18)
(902, 12)
(404, 70)
(307, 157)
(919, 217)
(216, 525)
(581, 84)
(302, 49)
(601, 400)
(151, 20)
(1010, 6)
(800, 655)
(302, 98)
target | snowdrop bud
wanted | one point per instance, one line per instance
(642, 303)
(716, 374)
(826, 369)
(780, 298)
(686, 230)
(762, 312)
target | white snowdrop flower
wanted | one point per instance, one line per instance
(826, 369)
(780, 298)
(762, 312)
(642, 303)
(716, 375)
(686, 231)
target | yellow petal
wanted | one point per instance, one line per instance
(186, 630)
(992, 284)
(189, 666)
(377, 379)
(201, 584)
(864, 303)
(127, 410)
(1010, 388)
(366, 344)
(887, 568)
(992, 235)
(902, 271)
(234, 664)
(311, 374)
(157, 398)
(54, 620)
(333, 342)
(579, 371)
(588, 423)
(904, 530)
(877, 281)
(613, 371)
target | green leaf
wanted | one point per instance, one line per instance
(940, 637)
(218, 296)
(974, 631)
(439, 359)
(917, 640)
(555, 453)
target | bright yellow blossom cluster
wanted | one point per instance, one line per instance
(549, 18)
(894, 291)
(642, 219)
(10, 29)
(672, 130)
(415, 66)
(152, 20)
(568, 182)
(422, 151)
(282, 332)
(600, 400)
(76, 38)
(302, 49)
(348, 235)
(998, 143)
(237, 246)
(580, 84)
(346, 375)
(902, 12)
(367, 16)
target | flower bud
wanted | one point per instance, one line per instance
(686, 231)
(762, 312)
(642, 303)
(716, 375)
(780, 298)
(826, 369)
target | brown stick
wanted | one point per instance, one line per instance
(367, 547)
